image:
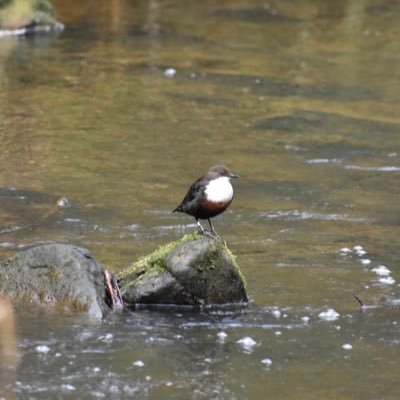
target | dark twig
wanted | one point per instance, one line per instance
(360, 302)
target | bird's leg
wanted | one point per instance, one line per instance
(201, 228)
(213, 233)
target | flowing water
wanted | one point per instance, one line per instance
(132, 102)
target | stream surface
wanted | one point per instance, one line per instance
(122, 111)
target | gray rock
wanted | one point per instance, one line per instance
(56, 274)
(195, 270)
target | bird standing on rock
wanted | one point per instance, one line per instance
(208, 196)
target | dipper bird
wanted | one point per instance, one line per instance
(208, 196)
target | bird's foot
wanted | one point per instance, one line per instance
(211, 234)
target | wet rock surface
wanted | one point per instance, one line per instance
(196, 270)
(57, 275)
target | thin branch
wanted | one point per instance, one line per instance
(360, 302)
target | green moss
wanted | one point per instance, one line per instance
(232, 257)
(19, 13)
(154, 260)
(53, 273)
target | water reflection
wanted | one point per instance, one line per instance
(301, 98)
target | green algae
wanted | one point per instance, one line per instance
(16, 14)
(155, 260)
(194, 270)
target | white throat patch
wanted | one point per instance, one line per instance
(219, 190)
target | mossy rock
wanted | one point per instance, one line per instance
(32, 15)
(57, 275)
(196, 270)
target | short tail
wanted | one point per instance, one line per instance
(178, 209)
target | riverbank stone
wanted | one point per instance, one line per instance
(196, 270)
(27, 16)
(57, 275)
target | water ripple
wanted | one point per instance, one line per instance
(297, 215)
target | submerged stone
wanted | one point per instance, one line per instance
(57, 275)
(195, 270)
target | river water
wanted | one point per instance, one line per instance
(132, 102)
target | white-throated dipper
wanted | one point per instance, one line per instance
(208, 196)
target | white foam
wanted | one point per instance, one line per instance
(365, 261)
(108, 338)
(388, 280)
(139, 363)
(247, 342)
(324, 161)
(381, 270)
(170, 72)
(267, 362)
(329, 315)
(345, 251)
(222, 336)
(42, 349)
(359, 251)
(67, 386)
(385, 168)
(276, 313)
(347, 346)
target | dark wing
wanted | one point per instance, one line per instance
(193, 196)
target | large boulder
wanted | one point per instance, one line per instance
(58, 275)
(196, 270)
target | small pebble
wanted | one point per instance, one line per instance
(329, 315)
(278, 333)
(63, 202)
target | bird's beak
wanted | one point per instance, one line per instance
(234, 176)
